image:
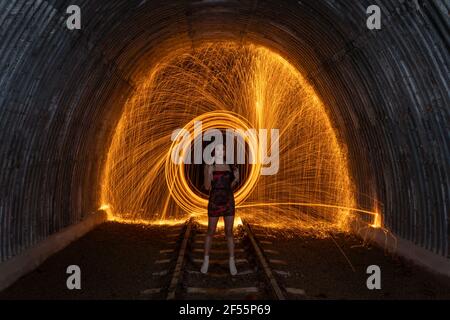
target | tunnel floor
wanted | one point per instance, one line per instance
(117, 261)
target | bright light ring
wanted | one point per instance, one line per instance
(180, 189)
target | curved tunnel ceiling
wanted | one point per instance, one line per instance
(62, 94)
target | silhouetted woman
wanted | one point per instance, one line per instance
(220, 178)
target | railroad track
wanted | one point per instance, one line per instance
(260, 271)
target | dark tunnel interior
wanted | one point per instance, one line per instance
(63, 93)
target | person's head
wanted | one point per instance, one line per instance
(219, 154)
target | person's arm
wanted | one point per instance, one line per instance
(236, 177)
(207, 176)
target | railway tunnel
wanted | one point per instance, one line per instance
(383, 93)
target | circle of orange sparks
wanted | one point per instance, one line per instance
(176, 180)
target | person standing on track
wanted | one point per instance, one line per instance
(219, 180)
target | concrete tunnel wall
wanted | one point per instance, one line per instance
(62, 93)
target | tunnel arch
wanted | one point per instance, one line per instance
(62, 93)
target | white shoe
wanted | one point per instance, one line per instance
(233, 270)
(204, 268)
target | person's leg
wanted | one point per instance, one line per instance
(229, 221)
(212, 224)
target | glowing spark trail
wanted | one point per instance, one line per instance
(230, 86)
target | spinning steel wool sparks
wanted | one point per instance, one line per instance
(226, 85)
